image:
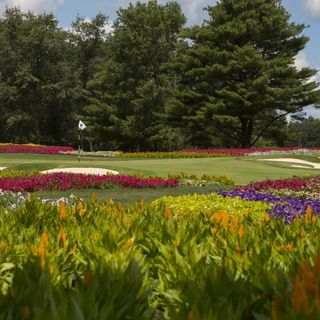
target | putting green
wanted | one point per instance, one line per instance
(242, 170)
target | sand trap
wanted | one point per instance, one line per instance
(312, 164)
(98, 171)
(2, 168)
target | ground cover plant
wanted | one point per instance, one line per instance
(32, 148)
(289, 197)
(101, 261)
(192, 256)
(65, 181)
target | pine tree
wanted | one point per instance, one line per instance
(237, 74)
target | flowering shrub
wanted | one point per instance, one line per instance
(173, 155)
(307, 183)
(65, 181)
(32, 148)
(203, 180)
(195, 153)
(13, 200)
(99, 154)
(251, 151)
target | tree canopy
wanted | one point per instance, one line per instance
(152, 83)
(237, 73)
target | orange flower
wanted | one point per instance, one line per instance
(62, 210)
(62, 238)
(44, 238)
(289, 247)
(42, 247)
(231, 229)
(266, 217)
(128, 244)
(308, 213)
(168, 213)
(241, 231)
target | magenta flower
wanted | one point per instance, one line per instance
(65, 181)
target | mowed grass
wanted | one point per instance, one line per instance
(242, 170)
(130, 195)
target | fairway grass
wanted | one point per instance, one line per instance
(243, 169)
(130, 195)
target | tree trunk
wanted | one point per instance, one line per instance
(246, 132)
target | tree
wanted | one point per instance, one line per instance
(39, 88)
(236, 71)
(305, 133)
(128, 94)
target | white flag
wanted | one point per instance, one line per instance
(81, 125)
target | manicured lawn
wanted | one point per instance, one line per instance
(130, 195)
(242, 170)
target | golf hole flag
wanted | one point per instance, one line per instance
(81, 125)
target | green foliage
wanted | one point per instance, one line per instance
(128, 93)
(237, 73)
(17, 173)
(212, 203)
(102, 261)
(304, 133)
(205, 179)
(39, 87)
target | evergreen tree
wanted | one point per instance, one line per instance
(128, 94)
(237, 73)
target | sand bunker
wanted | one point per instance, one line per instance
(2, 168)
(98, 171)
(313, 165)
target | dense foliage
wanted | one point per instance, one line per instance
(224, 259)
(152, 84)
(236, 73)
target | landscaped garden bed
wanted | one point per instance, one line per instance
(248, 252)
(197, 258)
(32, 148)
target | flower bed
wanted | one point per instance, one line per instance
(65, 181)
(290, 198)
(252, 151)
(32, 148)
(195, 153)
(110, 261)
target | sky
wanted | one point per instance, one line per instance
(66, 11)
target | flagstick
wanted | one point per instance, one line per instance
(79, 145)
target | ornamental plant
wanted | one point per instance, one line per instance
(32, 148)
(202, 180)
(251, 151)
(109, 260)
(17, 173)
(65, 181)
